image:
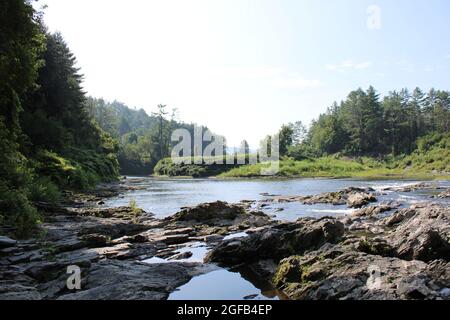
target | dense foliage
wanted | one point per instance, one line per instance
(143, 139)
(365, 125)
(48, 141)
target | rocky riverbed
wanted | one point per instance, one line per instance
(380, 251)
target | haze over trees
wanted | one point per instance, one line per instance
(143, 139)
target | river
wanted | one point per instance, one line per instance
(164, 197)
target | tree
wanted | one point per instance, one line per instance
(299, 132)
(22, 43)
(327, 134)
(286, 136)
(163, 144)
(395, 122)
(265, 146)
(372, 119)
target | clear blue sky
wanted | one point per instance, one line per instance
(244, 67)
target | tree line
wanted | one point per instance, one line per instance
(364, 124)
(143, 139)
(48, 141)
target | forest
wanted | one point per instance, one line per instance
(48, 140)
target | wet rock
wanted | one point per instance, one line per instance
(127, 280)
(264, 269)
(278, 242)
(335, 273)
(6, 242)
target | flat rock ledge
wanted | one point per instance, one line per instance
(109, 246)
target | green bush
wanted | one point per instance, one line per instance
(44, 189)
(77, 169)
(17, 214)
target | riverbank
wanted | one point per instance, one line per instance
(126, 253)
(411, 167)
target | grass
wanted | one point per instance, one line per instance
(433, 165)
(330, 167)
(431, 160)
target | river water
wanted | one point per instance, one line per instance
(164, 197)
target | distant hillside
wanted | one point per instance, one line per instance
(143, 139)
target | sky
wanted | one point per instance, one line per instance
(245, 67)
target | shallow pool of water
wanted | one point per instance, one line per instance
(223, 285)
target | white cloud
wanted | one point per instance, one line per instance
(349, 65)
(448, 56)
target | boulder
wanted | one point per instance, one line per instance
(422, 234)
(334, 272)
(278, 242)
(209, 211)
(399, 216)
(360, 199)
